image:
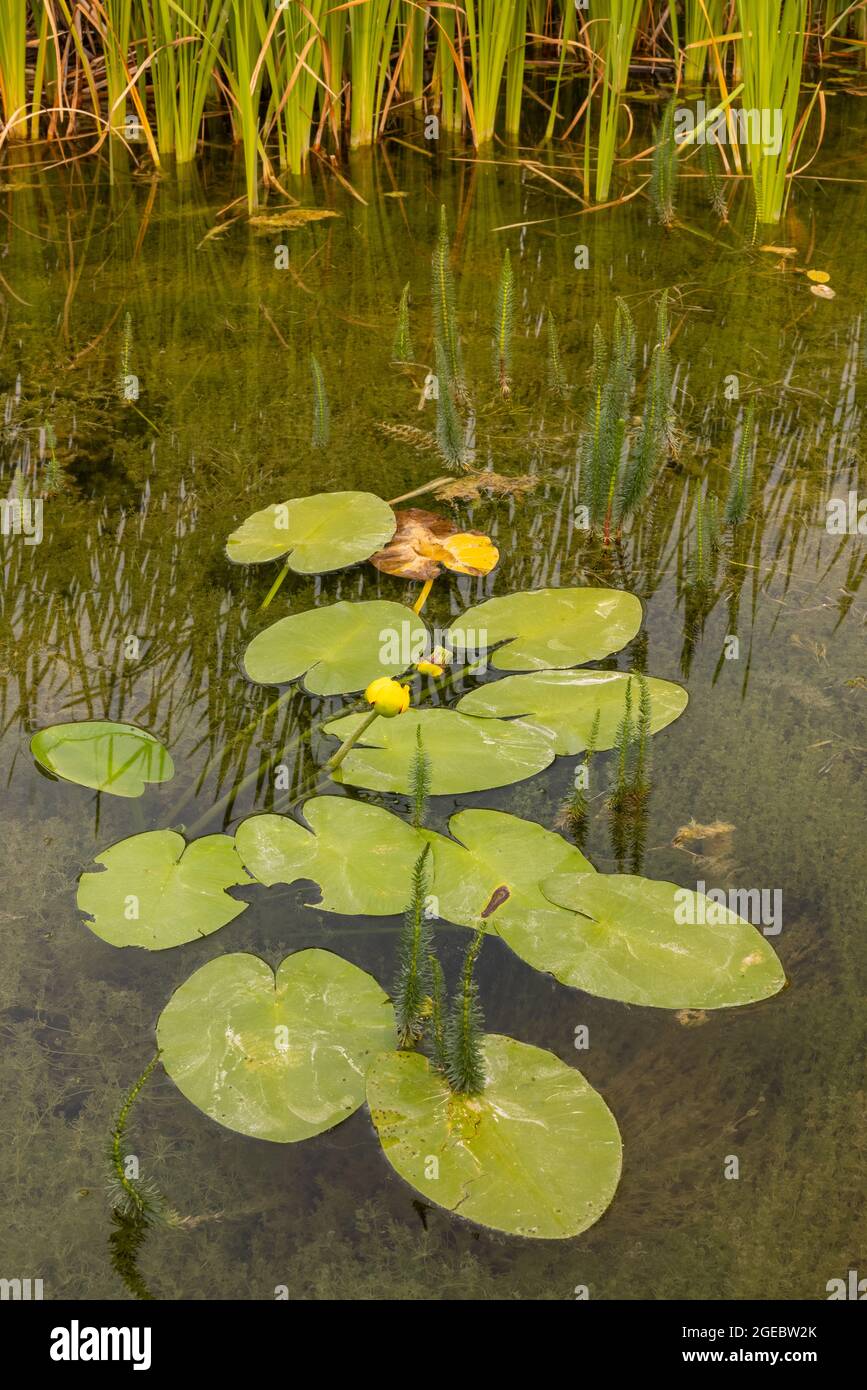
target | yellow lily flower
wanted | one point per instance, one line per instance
(387, 697)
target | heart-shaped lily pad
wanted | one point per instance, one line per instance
(277, 1057)
(538, 1153)
(116, 758)
(316, 534)
(341, 647)
(361, 856)
(549, 627)
(647, 942)
(466, 755)
(563, 704)
(156, 891)
(493, 850)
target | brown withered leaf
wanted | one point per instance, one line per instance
(688, 834)
(290, 218)
(424, 544)
(470, 488)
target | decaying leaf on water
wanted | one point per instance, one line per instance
(424, 544)
(470, 488)
(290, 218)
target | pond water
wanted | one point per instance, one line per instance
(102, 277)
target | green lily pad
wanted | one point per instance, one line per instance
(277, 1057)
(116, 758)
(466, 755)
(538, 1153)
(316, 534)
(156, 891)
(491, 850)
(550, 627)
(562, 704)
(361, 856)
(342, 647)
(628, 941)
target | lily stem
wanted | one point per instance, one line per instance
(274, 587)
(333, 763)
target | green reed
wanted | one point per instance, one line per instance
(298, 67)
(491, 35)
(372, 28)
(612, 34)
(772, 55)
(13, 67)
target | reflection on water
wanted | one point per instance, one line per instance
(156, 389)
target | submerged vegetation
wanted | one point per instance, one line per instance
(292, 80)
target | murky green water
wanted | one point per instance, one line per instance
(773, 742)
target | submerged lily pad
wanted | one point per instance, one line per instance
(156, 891)
(361, 856)
(340, 647)
(563, 704)
(647, 942)
(550, 627)
(466, 755)
(277, 1057)
(316, 534)
(538, 1153)
(116, 758)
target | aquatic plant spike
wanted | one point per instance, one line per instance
(466, 755)
(117, 758)
(648, 942)
(279, 1057)
(547, 628)
(362, 857)
(156, 891)
(563, 705)
(536, 1154)
(316, 534)
(338, 648)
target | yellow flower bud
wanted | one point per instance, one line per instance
(387, 697)
(428, 668)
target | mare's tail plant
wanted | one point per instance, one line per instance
(575, 813)
(132, 1197)
(712, 184)
(556, 377)
(419, 780)
(321, 409)
(402, 349)
(444, 314)
(412, 989)
(503, 325)
(465, 1067)
(663, 177)
(449, 431)
(741, 483)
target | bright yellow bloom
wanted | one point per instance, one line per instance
(388, 697)
(428, 668)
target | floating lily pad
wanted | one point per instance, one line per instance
(491, 850)
(342, 647)
(361, 856)
(538, 1153)
(156, 891)
(277, 1057)
(628, 940)
(562, 704)
(116, 758)
(466, 755)
(550, 627)
(324, 532)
